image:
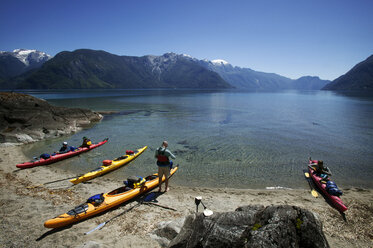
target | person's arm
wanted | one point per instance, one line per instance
(62, 151)
(170, 154)
(327, 171)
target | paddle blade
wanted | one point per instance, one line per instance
(207, 212)
(309, 180)
(314, 193)
(96, 228)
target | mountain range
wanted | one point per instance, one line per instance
(84, 69)
(245, 78)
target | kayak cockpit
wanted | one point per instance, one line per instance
(121, 158)
(78, 209)
(152, 177)
(132, 183)
(98, 169)
(120, 190)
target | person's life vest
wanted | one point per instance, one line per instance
(161, 157)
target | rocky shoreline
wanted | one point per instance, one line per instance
(26, 119)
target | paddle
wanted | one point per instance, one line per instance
(158, 205)
(56, 181)
(197, 201)
(206, 212)
(308, 178)
(146, 200)
(116, 216)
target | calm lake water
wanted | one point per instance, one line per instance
(229, 139)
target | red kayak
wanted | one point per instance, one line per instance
(59, 157)
(335, 201)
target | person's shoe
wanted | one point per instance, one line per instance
(167, 189)
(160, 189)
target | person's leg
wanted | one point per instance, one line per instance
(166, 183)
(167, 174)
(160, 175)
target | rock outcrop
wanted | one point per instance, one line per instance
(25, 119)
(252, 226)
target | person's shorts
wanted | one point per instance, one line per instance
(164, 170)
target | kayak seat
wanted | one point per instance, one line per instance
(98, 169)
(78, 209)
(152, 177)
(96, 200)
(120, 190)
(121, 158)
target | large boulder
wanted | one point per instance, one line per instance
(166, 231)
(253, 226)
(24, 118)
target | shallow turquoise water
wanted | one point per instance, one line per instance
(226, 138)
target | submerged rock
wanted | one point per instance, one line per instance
(252, 226)
(25, 119)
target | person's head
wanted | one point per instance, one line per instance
(320, 163)
(165, 144)
(84, 138)
(64, 143)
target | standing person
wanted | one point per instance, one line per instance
(164, 163)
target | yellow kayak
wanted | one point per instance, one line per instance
(102, 202)
(109, 165)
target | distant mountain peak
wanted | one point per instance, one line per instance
(22, 50)
(219, 62)
(29, 56)
(187, 55)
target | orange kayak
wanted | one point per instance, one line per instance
(107, 201)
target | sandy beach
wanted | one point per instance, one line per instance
(25, 205)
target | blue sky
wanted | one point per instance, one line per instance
(324, 38)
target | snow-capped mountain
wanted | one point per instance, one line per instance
(158, 64)
(30, 57)
(219, 62)
(20, 61)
